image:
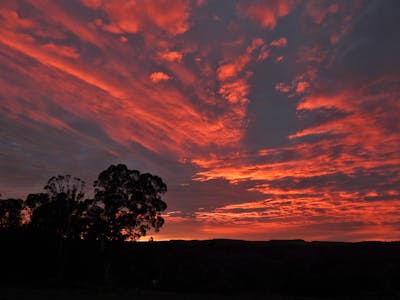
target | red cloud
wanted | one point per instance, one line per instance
(281, 87)
(282, 42)
(266, 13)
(145, 114)
(341, 165)
(65, 51)
(319, 9)
(284, 219)
(138, 16)
(10, 19)
(322, 181)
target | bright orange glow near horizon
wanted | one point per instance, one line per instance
(266, 119)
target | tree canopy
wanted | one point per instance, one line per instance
(128, 203)
(59, 210)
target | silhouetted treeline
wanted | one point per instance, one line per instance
(126, 205)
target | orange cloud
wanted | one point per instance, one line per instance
(302, 86)
(230, 70)
(235, 91)
(233, 78)
(159, 76)
(172, 56)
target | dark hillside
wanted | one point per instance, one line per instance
(218, 266)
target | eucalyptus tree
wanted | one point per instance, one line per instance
(126, 204)
(60, 209)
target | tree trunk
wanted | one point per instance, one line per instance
(105, 252)
(62, 256)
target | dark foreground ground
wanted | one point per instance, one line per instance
(66, 294)
(34, 266)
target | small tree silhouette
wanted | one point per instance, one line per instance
(126, 204)
(10, 213)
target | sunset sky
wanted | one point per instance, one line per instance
(266, 119)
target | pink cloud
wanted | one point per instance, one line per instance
(281, 87)
(92, 3)
(279, 59)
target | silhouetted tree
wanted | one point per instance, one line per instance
(59, 210)
(33, 201)
(10, 213)
(126, 204)
(72, 187)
